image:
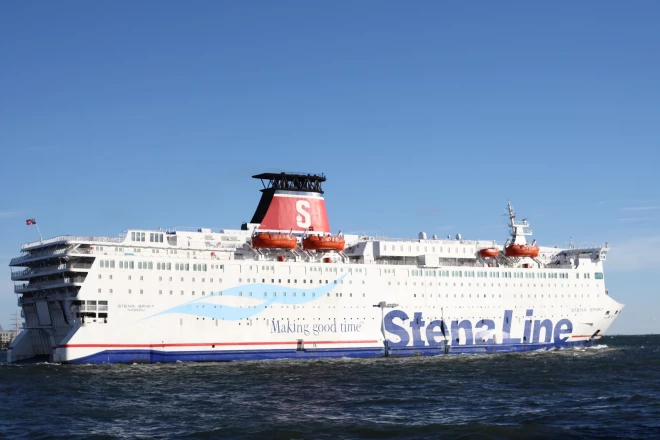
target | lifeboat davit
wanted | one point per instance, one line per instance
(489, 252)
(522, 250)
(323, 243)
(267, 240)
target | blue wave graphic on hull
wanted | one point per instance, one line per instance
(276, 295)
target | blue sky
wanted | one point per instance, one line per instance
(424, 116)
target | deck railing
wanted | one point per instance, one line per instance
(65, 238)
(44, 284)
(46, 269)
(48, 253)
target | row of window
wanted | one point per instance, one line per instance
(161, 278)
(389, 283)
(137, 236)
(491, 285)
(186, 267)
(331, 269)
(150, 265)
(91, 305)
(153, 237)
(484, 274)
(426, 249)
(415, 272)
(160, 292)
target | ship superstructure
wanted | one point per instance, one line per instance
(284, 286)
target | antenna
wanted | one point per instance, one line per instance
(508, 210)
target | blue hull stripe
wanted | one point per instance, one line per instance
(151, 356)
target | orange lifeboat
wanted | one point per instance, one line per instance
(522, 250)
(267, 240)
(323, 243)
(489, 252)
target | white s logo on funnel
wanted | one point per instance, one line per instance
(303, 219)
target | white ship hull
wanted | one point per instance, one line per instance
(208, 296)
(332, 320)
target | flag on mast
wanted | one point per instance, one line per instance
(30, 221)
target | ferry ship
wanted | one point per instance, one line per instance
(284, 286)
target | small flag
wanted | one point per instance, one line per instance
(30, 221)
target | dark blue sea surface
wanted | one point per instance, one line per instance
(609, 391)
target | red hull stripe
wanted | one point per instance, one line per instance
(585, 336)
(207, 344)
